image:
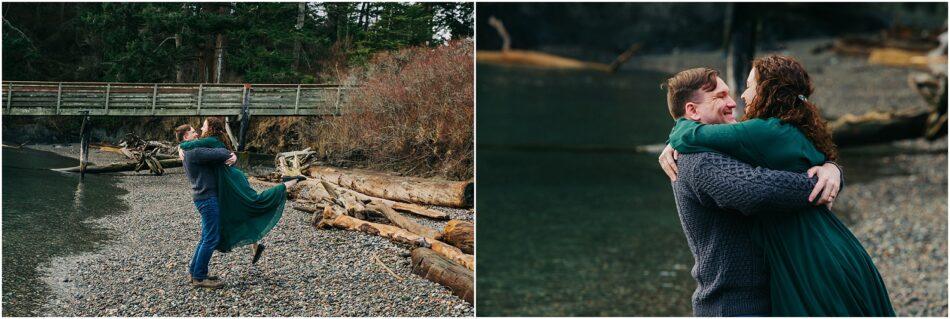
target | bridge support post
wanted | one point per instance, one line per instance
(84, 144)
(227, 127)
(245, 118)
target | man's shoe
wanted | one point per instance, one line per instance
(257, 253)
(208, 283)
(299, 178)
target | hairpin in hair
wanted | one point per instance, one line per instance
(802, 97)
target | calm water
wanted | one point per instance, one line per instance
(571, 220)
(44, 215)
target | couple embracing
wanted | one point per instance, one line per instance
(760, 228)
(232, 213)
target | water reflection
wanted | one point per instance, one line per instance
(572, 221)
(43, 216)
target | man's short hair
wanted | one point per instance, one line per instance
(682, 87)
(181, 130)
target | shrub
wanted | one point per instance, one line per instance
(413, 113)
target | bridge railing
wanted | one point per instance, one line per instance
(169, 99)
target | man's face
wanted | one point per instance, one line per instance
(191, 135)
(714, 107)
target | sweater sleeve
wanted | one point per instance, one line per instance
(205, 156)
(737, 186)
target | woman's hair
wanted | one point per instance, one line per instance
(783, 88)
(180, 132)
(216, 129)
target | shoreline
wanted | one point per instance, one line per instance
(843, 84)
(900, 216)
(142, 271)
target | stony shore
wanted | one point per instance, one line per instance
(304, 271)
(900, 216)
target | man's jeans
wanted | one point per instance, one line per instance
(209, 237)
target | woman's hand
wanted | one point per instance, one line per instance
(829, 183)
(181, 154)
(668, 162)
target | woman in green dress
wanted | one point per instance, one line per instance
(816, 265)
(245, 215)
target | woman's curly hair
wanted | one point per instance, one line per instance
(216, 129)
(780, 80)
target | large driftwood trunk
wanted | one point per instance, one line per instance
(878, 127)
(460, 234)
(118, 167)
(399, 188)
(430, 265)
(333, 218)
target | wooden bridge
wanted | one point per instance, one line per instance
(170, 99)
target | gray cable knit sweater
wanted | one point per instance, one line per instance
(197, 164)
(716, 197)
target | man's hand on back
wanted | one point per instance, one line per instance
(829, 183)
(668, 162)
(231, 160)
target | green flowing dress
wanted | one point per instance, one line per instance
(816, 265)
(245, 215)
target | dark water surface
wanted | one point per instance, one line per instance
(45, 214)
(571, 221)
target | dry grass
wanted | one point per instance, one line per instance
(413, 114)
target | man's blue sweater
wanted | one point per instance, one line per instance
(199, 166)
(717, 198)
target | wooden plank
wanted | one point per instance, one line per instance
(33, 111)
(154, 98)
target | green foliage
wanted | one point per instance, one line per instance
(136, 42)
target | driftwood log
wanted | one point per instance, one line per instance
(434, 267)
(414, 209)
(401, 221)
(333, 217)
(878, 127)
(312, 190)
(118, 167)
(507, 56)
(399, 188)
(356, 208)
(460, 234)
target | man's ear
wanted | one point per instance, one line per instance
(691, 111)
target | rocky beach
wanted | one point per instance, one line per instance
(142, 270)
